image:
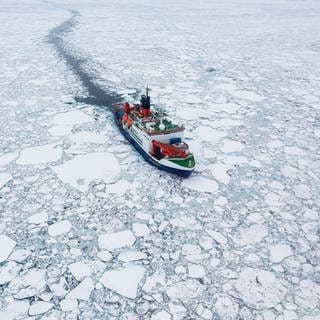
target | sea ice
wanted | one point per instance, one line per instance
(82, 291)
(128, 256)
(40, 154)
(38, 218)
(6, 247)
(279, 252)
(98, 166)
(80, 270)
(200, 184)
(119, 188)
(208, 134)
(196, 271)
(7, 158)
(140, 229)
(60, 130)
(68, 304)
(9, 271)
(40, 307)
(15, 310)
(88, 137)
(125, 281)
(71, 118)
(231, 146)
(219, 171)
(161, 315)
(59, 228)
(116, 240)
(302, 191)
(226, 307)
(4, 178)
(259, 289)
(217, 236)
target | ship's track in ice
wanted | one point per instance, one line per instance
(97, 96)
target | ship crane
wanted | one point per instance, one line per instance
(168, 150)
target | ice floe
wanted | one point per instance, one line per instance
(98, 166)
(116, 240)
(4, 178)
(200, 184)
(279, 252)
(125, 281)
(59, 228)
(82, 291)
(87, 137)
(6, 247)
(40, 307)
(40, 154)
(80, 270)
(71, 118)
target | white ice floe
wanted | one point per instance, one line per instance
(128, 256)
(71, 118)
(302, 191)
(307, 294)
(259, 289)
(28, 284)
(4, 178)
(40, 154)
(59, 228)
(140, 229)
(247, 95)
(217, 236)
(226, 307)
(60, 130)
(200, 184)
(185, 222)
(161, 315)
(40, 307)
(185, 290)
(6, 247)
(38, 218)
(88, 137)
(252, 234)
(196, 271)
(15, 310)
(219, 171)
(68, 304)
(80, 270)
(119, 188)
(83, 169)
(279, 252)
(230, 146)
(20, 255)
(9, 271)
(7, 158)
(82, 291)
(125, 281)
(208, 134)
(104, 255)
(116, 240)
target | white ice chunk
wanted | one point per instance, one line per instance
(80, 270)
(4, 178)
(302, 191)
(116, 240)
(104, 255)
(208, 134)
(140, 229)
(40, 307)
(196, 271)
(71, 118)
(9, 271)
(7, 158)
(247, 95)
(6, 247)
(217, 236)
(88, 137)
(60, 130)
(200, 184)
(279, 252)
(161, 315)
(15, 310)
(231, 146)
(259, 289)
(83, 169)
(68, 304)
(251, 235)
(128, 256)
(59, 228)
(82, 291)
(40, 154)
(38, 218)
(125, 281)
(20, 255)
(29, 284)
(226, 307)
(219, 171)
(119, 188)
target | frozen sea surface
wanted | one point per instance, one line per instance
(88, 230)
